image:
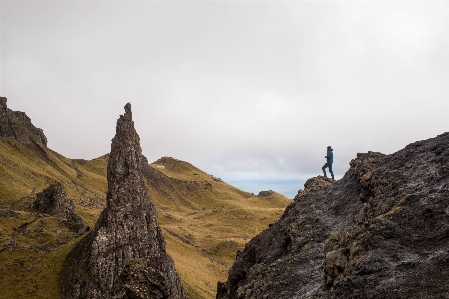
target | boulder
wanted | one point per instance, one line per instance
(54, 201)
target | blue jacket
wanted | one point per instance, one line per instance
(330, 156)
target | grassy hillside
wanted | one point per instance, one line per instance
(204, 220)
(33, 246)
(204, 235)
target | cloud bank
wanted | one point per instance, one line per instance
(241, 89)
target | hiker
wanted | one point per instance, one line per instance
(330, 160)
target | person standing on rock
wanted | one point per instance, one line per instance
(330, 160)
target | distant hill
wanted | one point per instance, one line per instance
(203, 219)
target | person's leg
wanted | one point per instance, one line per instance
(324, 169)
(330, 170)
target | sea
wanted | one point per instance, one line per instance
(288, 188)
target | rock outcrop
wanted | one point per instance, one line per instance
(382, 231)
(268, 193)
(124, 256)
(314, 184)
(54, 201)
(17, 125)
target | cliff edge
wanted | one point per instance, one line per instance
(382, 231)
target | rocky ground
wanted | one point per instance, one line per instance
(382, 231)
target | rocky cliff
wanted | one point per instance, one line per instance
(17, 125)
(124, 256)
(382, 231)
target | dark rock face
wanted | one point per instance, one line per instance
(17, 125)
(382, 231)
(124, 256)
(54, 201)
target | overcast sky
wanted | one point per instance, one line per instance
(241, 89)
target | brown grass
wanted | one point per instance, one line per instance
(204, 220)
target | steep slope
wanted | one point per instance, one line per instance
(203, 220)
(24, 173)
(382, 231)
(206, 221)
(33, 244)
(124, 256)
(28, 166)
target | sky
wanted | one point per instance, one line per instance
(244, 90)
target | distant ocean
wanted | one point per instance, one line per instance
(288, 188)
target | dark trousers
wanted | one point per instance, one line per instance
(328, 164)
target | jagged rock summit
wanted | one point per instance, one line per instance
(124, 256)
(54, 201)
(382, 231)
(17, 125)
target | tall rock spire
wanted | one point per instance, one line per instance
(124, 256)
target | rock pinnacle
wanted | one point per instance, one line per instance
(124, 256)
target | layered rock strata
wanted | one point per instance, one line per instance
(54, 201)
(124, 256)
(382, 231)
(17, 125)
